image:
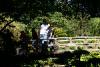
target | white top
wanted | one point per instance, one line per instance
(44, 29)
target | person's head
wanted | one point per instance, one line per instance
(45, 21)
(22, 32)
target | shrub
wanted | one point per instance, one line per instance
(16, 30)
(59, 32)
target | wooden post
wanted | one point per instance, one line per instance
(85, 43)
(70, 40)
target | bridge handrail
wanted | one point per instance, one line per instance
(83, 37)
(85, 40)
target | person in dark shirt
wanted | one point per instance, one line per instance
(24, 40)
(34, 38)
(24, 43)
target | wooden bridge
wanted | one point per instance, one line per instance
(82, 42)
(73, 43)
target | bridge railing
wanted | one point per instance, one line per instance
(83, 42)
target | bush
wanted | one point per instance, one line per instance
(59, 32)
(15, 30)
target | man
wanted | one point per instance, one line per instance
(44, 31)
(34, 38)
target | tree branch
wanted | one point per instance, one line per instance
(6, 26)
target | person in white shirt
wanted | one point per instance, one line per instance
(44, 31)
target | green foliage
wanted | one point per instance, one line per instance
(95, 54)
(59, 32)
(72, 26)
(90, 56)
(85, 57)
(41, 62)
(28, 30)
(95, 26)
(80, 48)
(17, 29)
(63, 25)
(36, 22)
(54, 20)
(57, 19)
(92, 41)
(72, 47)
